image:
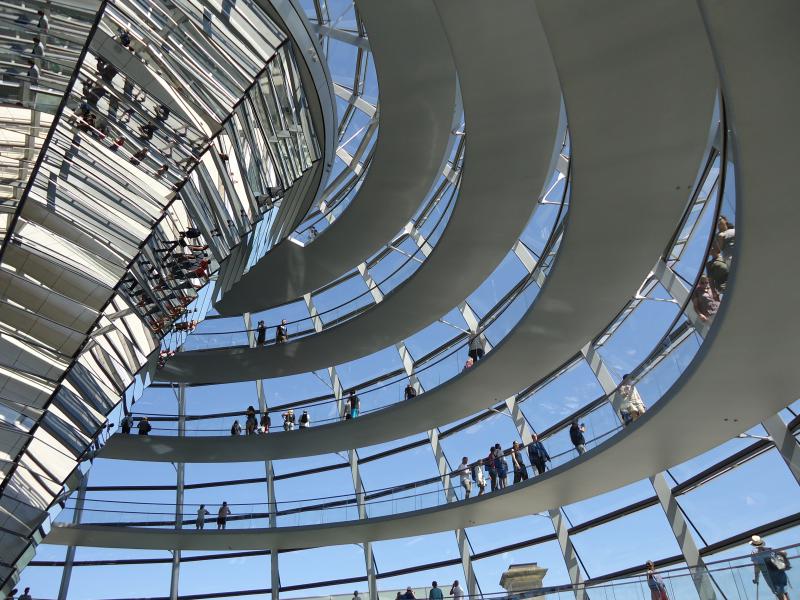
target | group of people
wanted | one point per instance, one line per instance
(291, 422)
(253, 426)
(114, 123)
(222, 516)
(126, 425)
(435, 593)
(164, 280)
(166, 289)
(36, 57)
(495, 466)
(711, 286)
(281, 333)
(768, 563)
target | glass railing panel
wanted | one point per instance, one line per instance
(625, 547)
(331, 307)
(497, 285)
(436, 334)
(562, 396)
(537, 231)
(716, 510)
(659, 379)
(369, 367)
(506, 320)
(586, 510)
(643, 328)
(413, 258)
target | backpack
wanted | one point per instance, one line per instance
(779, 561)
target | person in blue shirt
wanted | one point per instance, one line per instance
(538, 454)
(436, 592)
(355, 404)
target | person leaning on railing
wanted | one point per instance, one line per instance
(658, 590)
(126, 424)
(538, 454)
(520, 470)
(705, 299)
(632, 406)
(144, 426)
(281, 334)
(772, 564)
(266, 421)
(288, 420)
(477, 476)
(576, 431)
(250, 424)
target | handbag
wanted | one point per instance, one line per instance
(779, 561)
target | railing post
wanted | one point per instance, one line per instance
(669, 504)
(69, 561)
(352, 456)
(571, 558)
(785, 442)
(464, 548)
(180, 469)
(269, 472)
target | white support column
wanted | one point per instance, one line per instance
(462, 540)
(526, 257)
(683, 535)
(352, 455)
(69, 560)
(669, 504)
(568, 550)
(275, 578)
(377, 294)
(559, 524)
(369, 558)
(785, 442)
(469, 317)
(681, 292)
(603, 375)
(180, 469)
(419, 240)
(275, 573)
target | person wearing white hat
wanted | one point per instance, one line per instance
(772, 564)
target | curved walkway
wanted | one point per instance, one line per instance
(656, 106)
(745, 371)
(417, 105)
(512, 138)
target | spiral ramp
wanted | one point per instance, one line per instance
(639, 83)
